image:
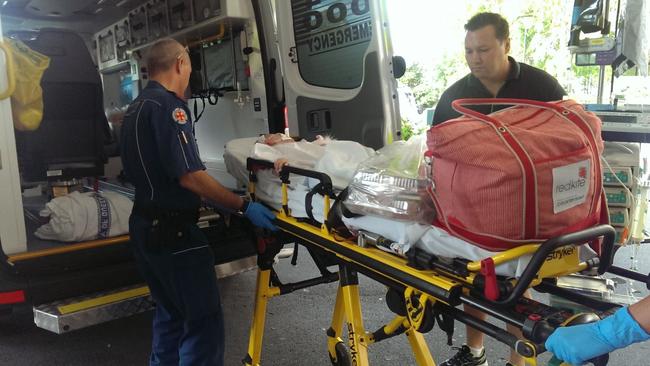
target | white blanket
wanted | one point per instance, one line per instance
(85, 216)
(337, 159)
(269, 191)
(235, 155)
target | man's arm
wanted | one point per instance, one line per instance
(641, 313)
(204, 185)
(625, 327)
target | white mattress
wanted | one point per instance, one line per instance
(235, 155)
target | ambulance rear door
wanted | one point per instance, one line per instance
(12, 225)
(337, 68)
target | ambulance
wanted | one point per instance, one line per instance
(304, 67)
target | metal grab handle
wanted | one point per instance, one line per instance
(579, 237)
(11, 79)
(630, 274)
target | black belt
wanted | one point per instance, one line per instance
(153, 212)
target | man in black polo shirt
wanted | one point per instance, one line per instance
(493, 75)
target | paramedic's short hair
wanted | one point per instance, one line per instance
(162, 55)
(480, 20)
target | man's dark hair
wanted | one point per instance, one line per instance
(480, 20)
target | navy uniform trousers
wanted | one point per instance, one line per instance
(188, 321)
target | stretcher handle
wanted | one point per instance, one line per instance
(606, 257)
(629, 274)
(546, 248)
(324, 179)
(253, 164)
(326, 182)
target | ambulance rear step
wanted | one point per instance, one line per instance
(80, 312)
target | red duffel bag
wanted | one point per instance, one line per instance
(521, 175)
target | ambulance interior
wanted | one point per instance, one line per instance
(95, 52)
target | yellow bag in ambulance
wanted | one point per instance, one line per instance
(27, 99)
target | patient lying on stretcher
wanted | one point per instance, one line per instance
(338, 159)
(277, 147)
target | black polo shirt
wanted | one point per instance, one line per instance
(524, 82)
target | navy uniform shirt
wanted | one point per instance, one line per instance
(524, 82)
(158, 147)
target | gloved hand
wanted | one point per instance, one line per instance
(580, 343)
(260, 216)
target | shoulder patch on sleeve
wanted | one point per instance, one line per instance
(179, 116)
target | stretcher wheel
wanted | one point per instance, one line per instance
(397, 305)
(428, 321)
(342, 355)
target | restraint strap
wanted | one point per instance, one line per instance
(309, 198)
(445, 321)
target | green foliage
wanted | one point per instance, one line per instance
(408, 130)
(414, 77)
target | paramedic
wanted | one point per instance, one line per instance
(161, 159)
(493, 74)
(626, 326)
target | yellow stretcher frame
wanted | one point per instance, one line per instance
(422, 288)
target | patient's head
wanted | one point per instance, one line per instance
(280, 138)
(274, 139)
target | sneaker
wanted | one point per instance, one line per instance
(464, 357)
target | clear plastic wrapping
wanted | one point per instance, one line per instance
(393, 184)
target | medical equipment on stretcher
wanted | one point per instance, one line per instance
(424, 290)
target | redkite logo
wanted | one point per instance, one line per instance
(582, 173)
(570, 185)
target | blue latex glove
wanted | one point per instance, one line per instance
(260, 216)
(580, 343)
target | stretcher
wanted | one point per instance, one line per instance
(423, 289)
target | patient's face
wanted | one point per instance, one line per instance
(277, 138)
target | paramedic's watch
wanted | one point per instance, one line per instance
(244, 206)
(259, 215)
